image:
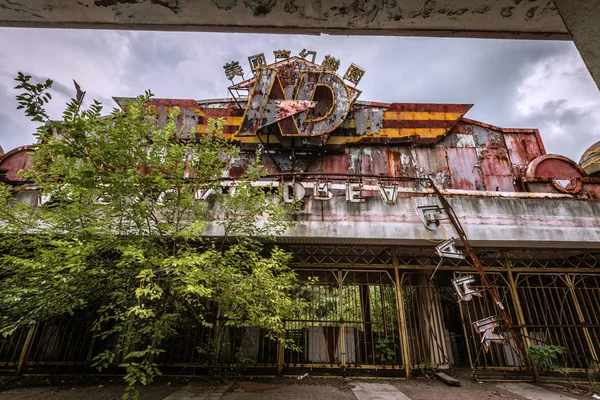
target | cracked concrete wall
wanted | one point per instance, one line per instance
(582, 18)
(488, 222)
(465, 18)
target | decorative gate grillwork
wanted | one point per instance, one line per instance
(351, 321)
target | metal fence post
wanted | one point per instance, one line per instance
(520, 317)
(280, 354)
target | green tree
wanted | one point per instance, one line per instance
(122, 232)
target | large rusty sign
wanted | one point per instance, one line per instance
(303, 102)
(295, 97)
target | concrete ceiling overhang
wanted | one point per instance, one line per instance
(528, 19)
(577, 20)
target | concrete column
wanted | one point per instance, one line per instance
(582, 18)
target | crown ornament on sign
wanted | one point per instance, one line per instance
(279, 54)
(353, 74)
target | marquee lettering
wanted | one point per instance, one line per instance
(294, 191)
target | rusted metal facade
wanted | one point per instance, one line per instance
(318, 133)
(376, 307)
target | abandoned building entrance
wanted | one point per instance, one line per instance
(350, 322)
(370, 311)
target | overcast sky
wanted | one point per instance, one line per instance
(513, 84)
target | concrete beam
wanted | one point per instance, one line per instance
(560, 223)
(529, 19)
(582, 18)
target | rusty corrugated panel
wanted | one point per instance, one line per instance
(496, 169)
(334, 163)
(499, 183)
(494, 161)
(485, 137)
(522, 148)
(401, 161)
(464, 169)
(369, 160)
(431, 161)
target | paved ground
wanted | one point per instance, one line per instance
(532, 392)
(306, 389)
(203, 392)
(321, 391)
(112, 392)
(369, 390)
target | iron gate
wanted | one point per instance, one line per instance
(351, 321)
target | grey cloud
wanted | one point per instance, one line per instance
(487, 73)
(563, 124)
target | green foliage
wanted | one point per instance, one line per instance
(386, 350)
(122, 233)
(593, 374)
(546, 356)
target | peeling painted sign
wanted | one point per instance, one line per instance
(295, 97)
(302, 101)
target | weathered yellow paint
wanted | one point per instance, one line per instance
(420, 116)
(403, 132)
(251, 139)
(390, 133)
(414, 116)
(197, 110)
(233, 120)
(384, 132)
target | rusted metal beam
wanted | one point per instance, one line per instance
(482, 274)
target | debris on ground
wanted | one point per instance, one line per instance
(447, 379)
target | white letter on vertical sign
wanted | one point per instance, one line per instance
(203, 193)
(321, 191)
(293, 191)
(353, 193)
(388, 193)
